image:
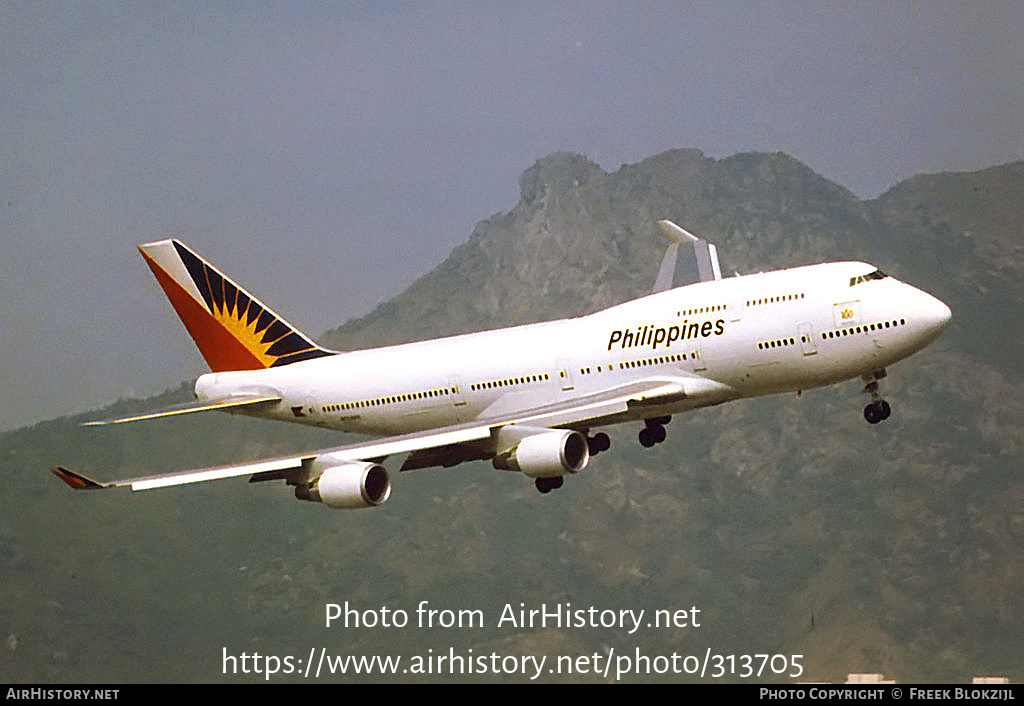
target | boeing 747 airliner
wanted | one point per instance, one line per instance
(530, 398)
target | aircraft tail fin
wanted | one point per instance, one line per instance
(699, 261)
(231, 328)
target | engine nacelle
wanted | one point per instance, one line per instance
(348, 485)
(541, 453)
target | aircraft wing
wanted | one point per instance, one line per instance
(81, 482)
(470, 440)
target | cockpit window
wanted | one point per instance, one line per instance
(877, 274)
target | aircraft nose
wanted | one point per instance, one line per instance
(945, 314)
(933, 314)
(939, 314)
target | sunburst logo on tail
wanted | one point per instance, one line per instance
(232, 329)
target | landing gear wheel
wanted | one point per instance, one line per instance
(871, 413)
(877, 411)
(598, 442)
(651, 435)
(549, 483)
(653, 431)
(647, 438)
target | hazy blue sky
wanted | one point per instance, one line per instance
(326, 154)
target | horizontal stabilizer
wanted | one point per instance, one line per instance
(224, 403)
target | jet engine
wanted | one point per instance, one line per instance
(541, 453)
(348, 485)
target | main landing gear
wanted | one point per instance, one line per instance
(598, 442)
(549, 483)
(653, 431)
(878, 409)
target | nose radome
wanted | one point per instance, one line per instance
(939, 313)
(933, 314)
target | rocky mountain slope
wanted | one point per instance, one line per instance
(791, 524)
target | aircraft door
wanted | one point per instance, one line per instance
(736, 309)
(697, 357)
(565, 375)
(807, 338)
(457, 397)
(312, 411)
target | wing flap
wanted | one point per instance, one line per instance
(287, 463)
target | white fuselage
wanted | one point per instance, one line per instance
(757, 334)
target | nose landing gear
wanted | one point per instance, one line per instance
(878, 409)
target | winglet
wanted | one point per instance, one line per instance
(674, 234)
(77, 480)
(699, 264)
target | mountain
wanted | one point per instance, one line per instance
(581, 239)
(794, 527)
